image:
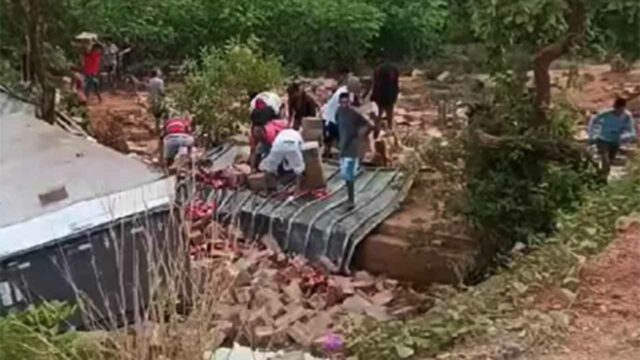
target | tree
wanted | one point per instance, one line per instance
(34, 28)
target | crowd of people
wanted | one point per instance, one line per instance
(276, 140)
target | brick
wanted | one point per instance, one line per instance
(291, 316)
(225, 312)
(259, 317)
(263, 335)
(270, 300)
(382, 298)
(257, 181)
(356, 304)
(300, 334)
(242, 295)
(313, 175)
(196, 237)
(317, 302)
(319, 325)
(377, 312)
(293, 292)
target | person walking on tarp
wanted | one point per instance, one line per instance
(385, 93)
(177, 137)
(609, 129)
(300, 105)
(331, 133)
(352, 126)
(91, 70)
(284, 158)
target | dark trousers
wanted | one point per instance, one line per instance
(608, 151)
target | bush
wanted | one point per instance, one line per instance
(38, 334)
(516, 190)
(217, 87)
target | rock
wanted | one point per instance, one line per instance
(443, 76)
(417, 73)
(510, 351)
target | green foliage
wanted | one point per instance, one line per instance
(38, 334)
(217, 87)
(515, 191)
(322, 33)
(614, 28)
(500, 304)
(411, 29)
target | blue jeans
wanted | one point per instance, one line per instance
(349, 168)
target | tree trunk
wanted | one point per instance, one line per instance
(576, 18)
(34, 29)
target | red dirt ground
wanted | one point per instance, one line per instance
(122, 122)
(606, 315)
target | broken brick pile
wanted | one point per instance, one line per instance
(273, 300)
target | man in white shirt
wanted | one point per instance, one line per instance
(329, 113)
(285, 156)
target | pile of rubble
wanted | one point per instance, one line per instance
(271, 300)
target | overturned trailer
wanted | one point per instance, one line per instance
(318, 228)
(79, 222)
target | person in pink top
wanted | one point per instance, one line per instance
(262, 138)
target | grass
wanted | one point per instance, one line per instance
(502, 304)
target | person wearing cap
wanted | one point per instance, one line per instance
(331, 132)
(266, 99)
(609, 129)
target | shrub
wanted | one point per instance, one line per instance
(38, 334)
(517, 189)
(217, 87)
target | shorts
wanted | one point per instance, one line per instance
(91, 82)
(349, 168)
(330, 130)
(173, 142)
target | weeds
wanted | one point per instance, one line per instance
(502, 303)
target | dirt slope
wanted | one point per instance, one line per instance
(606, 315)
(122, 122)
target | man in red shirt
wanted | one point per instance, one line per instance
(177, 134)
(91, 70)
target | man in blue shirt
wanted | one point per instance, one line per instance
(609, 129)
